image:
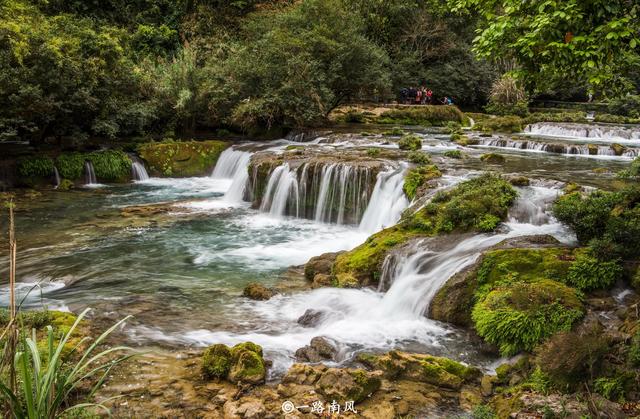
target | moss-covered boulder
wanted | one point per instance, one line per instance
(417, 180)
(244, 363)
(438, 371)
(518, 315)
(257, 291)
(344, 385)
(320, 265)
(181, 159)
(410, 142)
(492, 158)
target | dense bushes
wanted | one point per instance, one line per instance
(626, 106)
(410, 142)
(70, 165)
(588, 273)
(37, 166)
(423, 115)
(111, 165)
(519, 315)
(181, 159)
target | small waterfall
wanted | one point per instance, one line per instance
(57, 177)
(325, 192)
(590, 131)
(387, 201)
(233, 164)
(532, 205)
(138, 171)
(573, 149)
(89, 174)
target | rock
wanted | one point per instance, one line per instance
(303, 374)
(469, 398)
(241, 364)
(519, 181)
(311, 318)
(492, 158)
(618, 149)
(216, 361)
(319, 349)
(345, 385)
(593, 149)
(257, 291)
(253, 409)
(486, 384)
(320, 265)
(322, 280)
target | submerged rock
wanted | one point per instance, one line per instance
(319, 349)
(257, 291)
(311, 318)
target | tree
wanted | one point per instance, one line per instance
(550, 39)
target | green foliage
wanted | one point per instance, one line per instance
(36, 166)
(492, 158)
(483, 412)
(519, 315)
(71, 165)
(354, 116)
(633, 172)
(394, 132)
(508, 97)
(611, 388)
(453, 154)
(48, 383)
(607, 219)
(418, 178)
(506, 124)
(373, 152)
(419, 157)
(422, 115)
(111, 165)
(410, 142)
(181, 159)
(519, 109)
(588, 273)
(216, 361)
(633, 354)
(626, 106)
(542, 38)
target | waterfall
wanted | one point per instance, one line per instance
(233, 164)
(325, 192)
(387, 201)
(573, 149)
(57, 177)
(584, 131)
(138, 171)
(89, 174)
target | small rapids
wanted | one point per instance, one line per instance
(613, 133)
(590, 150)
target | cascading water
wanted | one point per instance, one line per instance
(590, 131)
(138, 171)
(89, 174)
(233, 164)
(571, 149)
(387, 201)
(57, 177)
(325, 192)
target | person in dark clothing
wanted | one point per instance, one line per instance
(412, 94)
(404, 92)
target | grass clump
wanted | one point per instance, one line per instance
(410, 142)
(418, 179)
(373, 152)
(453, 154)
(111, 165)
(419, 157)
(588, 273)
(394, 132)
(353, 116)
(518, 316)
(35, 167)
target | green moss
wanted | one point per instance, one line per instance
(246, 346)
(417, 178)
(422, 115)
(373, 152)
(247, 364)
(506, 124)
(65, 184)
(394, 132)
(410, 142)
(71, 165)
(419, 157)
(216, 361)
(588, 273)
(181, 159)
(519, 315)
(35, 167)
(453, 154)
(501, 267)
(111, 165)
(492, 158)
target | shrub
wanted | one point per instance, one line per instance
(588, 273)
(570, 357)
(353, 116)
(518, 316)
(633, 354)
(70, 165)
(394, 132)
(36, 166)
(181, 159)
(417, 178)
(611, 388)
(507, 91)
(111, 165)
(419, 157)
(628, 106)
(453, 154)
(483, 412)
(410, 142)
(506, 124)
(633, 172)
(373, 152)
(423, 115)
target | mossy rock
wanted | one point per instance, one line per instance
(182, 159)
(519, 315)
(453, 154)
(216, 361)
(410, 142)
(417, 180)
(65, 185)
(347, 384)
(618, 149)
(519, 181)
(257, 291)
(492, 158)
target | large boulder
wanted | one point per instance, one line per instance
(242, 364)
(319, 349)
(257, 291)
(320, 265)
